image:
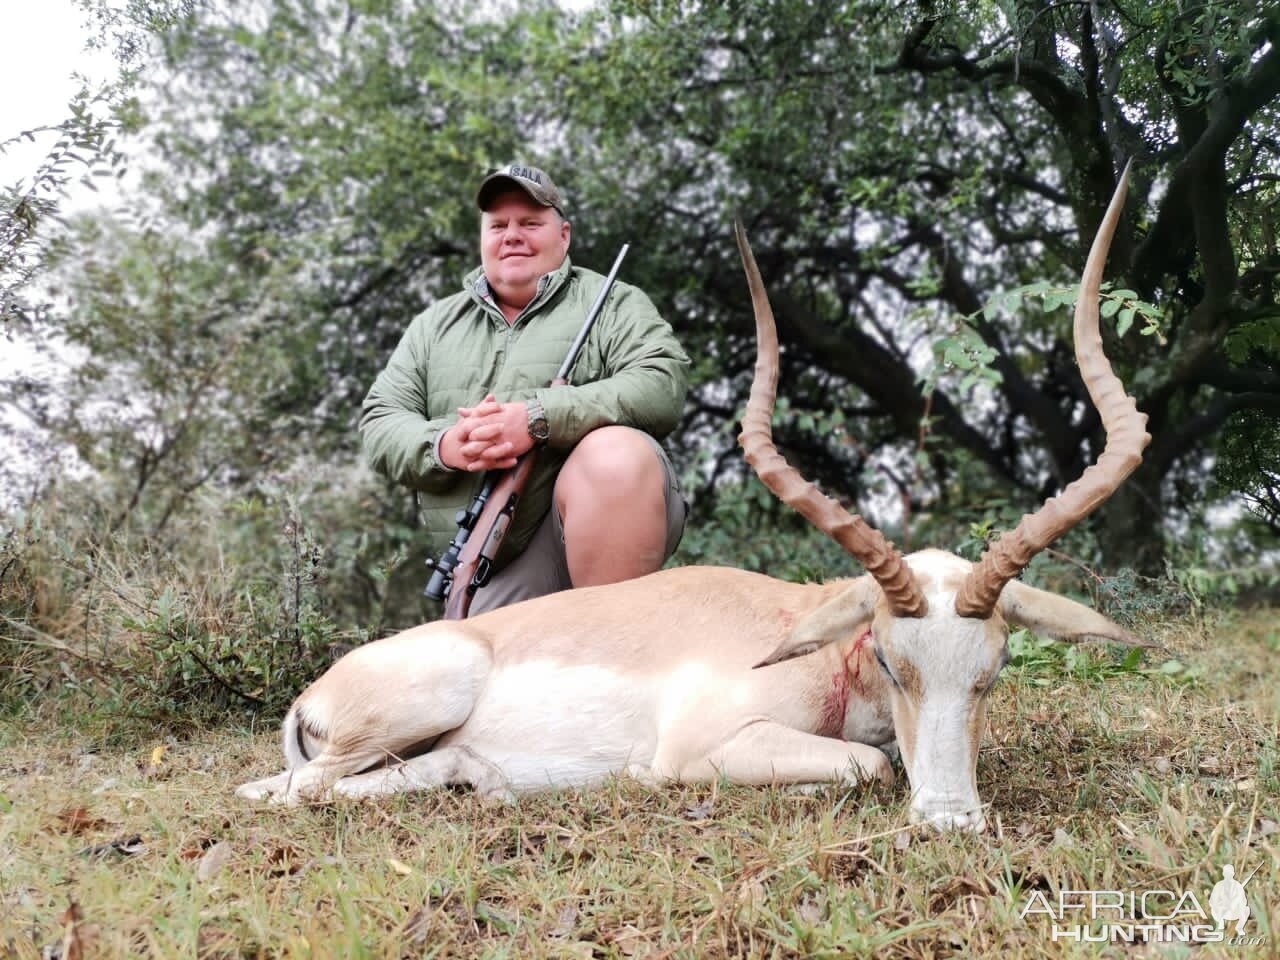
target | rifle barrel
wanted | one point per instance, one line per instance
(572, 357)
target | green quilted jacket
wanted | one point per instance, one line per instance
(631, 371)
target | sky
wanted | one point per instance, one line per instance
(44, 46)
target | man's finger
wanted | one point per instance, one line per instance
(486, 407)
(487, 442)
(486, 432)
(496, 456)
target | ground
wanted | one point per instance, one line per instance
(1102, 774)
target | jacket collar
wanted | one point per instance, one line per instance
(477, 285)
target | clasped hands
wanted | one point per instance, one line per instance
(488, 436)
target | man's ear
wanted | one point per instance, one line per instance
(835, 619)
(1054, 616)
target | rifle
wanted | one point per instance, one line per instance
(483, 525)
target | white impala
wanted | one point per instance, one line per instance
(664, 677)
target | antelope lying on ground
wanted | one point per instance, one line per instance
(657, 677)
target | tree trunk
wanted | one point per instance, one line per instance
(1129, 526)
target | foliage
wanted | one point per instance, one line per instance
(1250, 464)
(231, 598)
(920, 182)
(147, 632)
(339, 154)
(1042, 662)
(921, 218)
(355, 143)
(83, 146)
(748, 529)
(166, 367)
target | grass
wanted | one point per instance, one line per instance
(1102, 773)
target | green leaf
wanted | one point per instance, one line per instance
(1125, 321)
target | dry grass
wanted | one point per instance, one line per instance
(1098, 778)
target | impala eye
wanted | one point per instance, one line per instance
(885, 667)
(984, 689)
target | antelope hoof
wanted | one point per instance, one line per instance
(875, 766)
(972, 821)
(268, 789)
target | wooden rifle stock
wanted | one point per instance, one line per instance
(476, 557)
(467, 565)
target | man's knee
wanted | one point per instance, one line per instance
(612, 463)
(617, 498)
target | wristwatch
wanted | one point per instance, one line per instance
(539, 429)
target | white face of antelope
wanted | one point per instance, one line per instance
(941, 669)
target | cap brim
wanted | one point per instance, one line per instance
(501, 183)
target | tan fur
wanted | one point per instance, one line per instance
(513, 682)
(656, 678)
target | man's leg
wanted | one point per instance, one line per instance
(545, 566)
(612, 498)
(539, 570)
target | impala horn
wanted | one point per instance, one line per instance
(855, 535)
(1126, 438)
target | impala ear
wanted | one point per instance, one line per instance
(1054, 616)
(835, 619)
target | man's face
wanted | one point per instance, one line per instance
(520, 242)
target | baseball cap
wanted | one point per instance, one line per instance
(536, 183)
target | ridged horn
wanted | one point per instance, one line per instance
(854, 534)
(1126, 438)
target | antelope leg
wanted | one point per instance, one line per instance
(438, 768)
(765, 752)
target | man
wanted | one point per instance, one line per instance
(467, 390)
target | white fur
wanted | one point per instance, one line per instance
(656, 678)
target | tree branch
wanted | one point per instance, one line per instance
(1169, 445)
(1187, 211)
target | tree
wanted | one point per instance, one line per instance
(85, 147)
(338, 151)
(164, 358)
(900, 164)
(901, 167)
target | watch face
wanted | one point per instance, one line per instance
(539, 428)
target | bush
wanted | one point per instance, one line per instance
(232, 616)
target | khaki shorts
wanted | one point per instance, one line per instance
(543, 567)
